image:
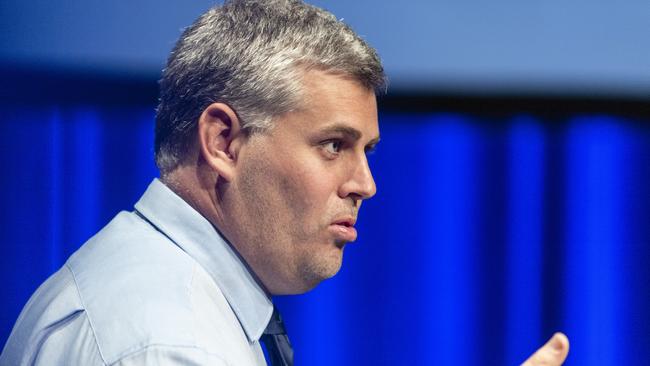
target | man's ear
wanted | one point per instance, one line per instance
(218, 128)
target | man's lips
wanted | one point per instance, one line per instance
(343, 229)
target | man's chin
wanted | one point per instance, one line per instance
(315, 273)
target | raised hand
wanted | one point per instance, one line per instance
(553, 353)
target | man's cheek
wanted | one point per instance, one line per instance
(295, 195)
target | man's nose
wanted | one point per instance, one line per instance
(360, 183)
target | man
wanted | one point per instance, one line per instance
(267, 111)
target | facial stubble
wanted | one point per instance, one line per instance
(280, 226)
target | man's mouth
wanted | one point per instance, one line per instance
(343, 229)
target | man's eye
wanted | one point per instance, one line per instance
(332, 147)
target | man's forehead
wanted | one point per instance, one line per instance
(335, 103)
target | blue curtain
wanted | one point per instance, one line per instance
(485, 237)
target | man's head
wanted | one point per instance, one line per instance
(267, 111)
(249, 55)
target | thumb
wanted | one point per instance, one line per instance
(553, 353)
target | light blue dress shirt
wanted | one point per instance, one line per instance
(156, 286)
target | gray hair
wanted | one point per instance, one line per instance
(249, 54)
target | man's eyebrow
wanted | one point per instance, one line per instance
(373, 143)
(349, 132)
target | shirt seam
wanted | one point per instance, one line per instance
(142, 216)
(163, 345)
(191, 299)
(88, 316)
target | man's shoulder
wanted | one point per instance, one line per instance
(129, 254)
(130, 270)
(134, 284)
(130, 291)
(140, 290)
(126, 242)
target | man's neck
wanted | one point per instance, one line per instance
(199, 191)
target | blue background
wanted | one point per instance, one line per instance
(502, 46)
(484, 238)
(492, 227)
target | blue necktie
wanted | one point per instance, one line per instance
(277, 342)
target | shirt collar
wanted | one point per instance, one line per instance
(195, 235)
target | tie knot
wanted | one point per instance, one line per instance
(275, 326)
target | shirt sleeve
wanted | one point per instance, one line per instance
(170, 356)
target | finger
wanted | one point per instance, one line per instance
(553, 353)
